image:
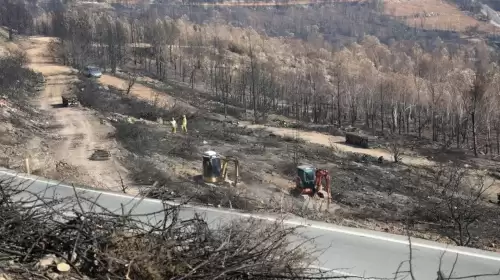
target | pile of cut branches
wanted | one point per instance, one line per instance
(99, 244)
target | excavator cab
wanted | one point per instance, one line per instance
(212, 167)
(305, 177)
(215, 168)
(312, 181)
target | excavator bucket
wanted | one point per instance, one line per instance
(323, 194)
(322, 190)
(225, 163)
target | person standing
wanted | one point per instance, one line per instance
(184, 124)
(174, 125)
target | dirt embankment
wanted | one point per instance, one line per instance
(80, 131)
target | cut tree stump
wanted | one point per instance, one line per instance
(63, 267)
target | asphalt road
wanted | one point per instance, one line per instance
(348, 251)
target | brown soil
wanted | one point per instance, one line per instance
(442, 15)
(81, 131)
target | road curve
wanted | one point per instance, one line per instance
(349, 251)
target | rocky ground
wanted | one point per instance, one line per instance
(145, 157)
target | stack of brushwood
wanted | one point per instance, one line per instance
(75, 238)
(357, 140)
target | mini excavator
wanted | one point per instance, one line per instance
(215, 168)
(309, 181)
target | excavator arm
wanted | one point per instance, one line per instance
(320, 175)
(225, 162)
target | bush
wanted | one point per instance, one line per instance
(16, 81)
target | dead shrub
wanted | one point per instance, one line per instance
(235, 48)
(288, 169)
(143, 172)
(99, 244)
(396, 148)
(113, 101)
(16, 81)
(457, 207)
(185, 148)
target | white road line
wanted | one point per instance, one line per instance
(339, 272)
(336, 229)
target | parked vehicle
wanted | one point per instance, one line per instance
(92, 72)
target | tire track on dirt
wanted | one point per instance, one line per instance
(81, 131)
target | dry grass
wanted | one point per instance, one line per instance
(446, 16)
(240, 4)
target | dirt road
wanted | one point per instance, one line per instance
(336, 143)
(80, 130)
